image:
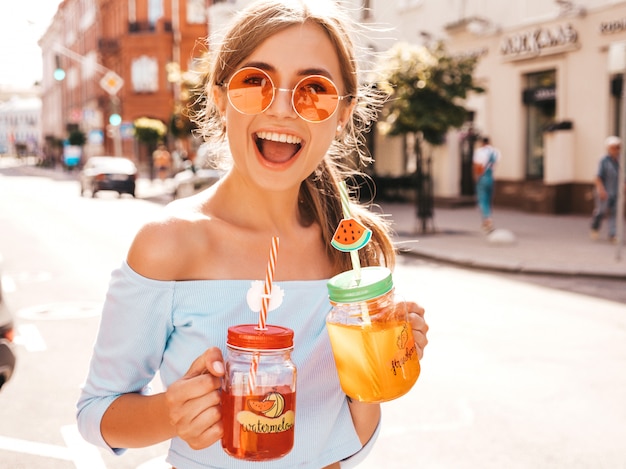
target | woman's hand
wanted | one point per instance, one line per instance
(418, 326)
(193, 401)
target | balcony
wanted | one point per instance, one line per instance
(108, 46)
(141, 27)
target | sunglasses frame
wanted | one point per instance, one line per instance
(275, 89)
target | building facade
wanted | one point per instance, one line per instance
(20, 129)
(553, 93)
(121, 60)
(553, 88)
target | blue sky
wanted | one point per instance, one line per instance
(22, 23)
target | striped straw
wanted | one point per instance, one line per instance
(254, 367)
(269, 279)
(265, 302)
(345, 205)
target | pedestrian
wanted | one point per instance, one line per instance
(186, 275)
(162, 161)
(485, 159)
(606, 189)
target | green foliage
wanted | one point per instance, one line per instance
(428, 88)
(77, 137)
(149, 131)
(180, 124)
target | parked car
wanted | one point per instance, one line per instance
(191, 181)
(7, 352)
(108, 173)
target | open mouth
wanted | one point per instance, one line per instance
(277, 147)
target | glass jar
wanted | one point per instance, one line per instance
(371, 338)
(259, 393)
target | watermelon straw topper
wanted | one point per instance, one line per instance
(351, 236)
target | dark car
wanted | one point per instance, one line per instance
(108, 173)
(7, 353)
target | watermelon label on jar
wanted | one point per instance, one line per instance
(268, 414)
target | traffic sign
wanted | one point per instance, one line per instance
(111, 82)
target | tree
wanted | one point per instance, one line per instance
(427, 88)
(149, 132)
(77, 137)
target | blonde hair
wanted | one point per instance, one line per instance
(319, 194)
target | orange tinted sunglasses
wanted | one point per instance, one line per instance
(314, 98)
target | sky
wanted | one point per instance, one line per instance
(22, 23)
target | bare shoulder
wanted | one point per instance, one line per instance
(168, 247)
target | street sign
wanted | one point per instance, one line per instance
(111, 82)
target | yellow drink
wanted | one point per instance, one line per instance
(376, 362)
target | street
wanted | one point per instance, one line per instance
(516, 375)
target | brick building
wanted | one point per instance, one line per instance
(147, 44)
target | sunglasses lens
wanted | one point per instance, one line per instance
(315, 98)
(250, 91)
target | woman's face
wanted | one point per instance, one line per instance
(277, 149)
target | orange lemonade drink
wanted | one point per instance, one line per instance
(375, 363)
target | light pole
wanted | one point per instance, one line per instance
(617, 64)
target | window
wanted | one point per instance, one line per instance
(155, 11)
(144, 74)
(196, 12)
(540, 100)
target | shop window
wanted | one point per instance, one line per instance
(539, 96)
(617, 83)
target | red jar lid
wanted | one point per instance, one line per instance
(249, 336)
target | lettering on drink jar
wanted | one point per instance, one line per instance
(253, 423)
(267, 415)
(407, 352)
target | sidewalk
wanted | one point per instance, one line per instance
(544, 244)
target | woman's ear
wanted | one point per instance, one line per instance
(219, 98)
(345, 115)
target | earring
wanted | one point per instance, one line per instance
(339, 128)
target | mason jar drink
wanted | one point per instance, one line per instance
(371, 338)
(259, 393)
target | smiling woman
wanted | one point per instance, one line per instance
(282, 93)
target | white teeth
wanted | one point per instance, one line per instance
(276, 137)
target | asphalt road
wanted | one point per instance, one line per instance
(516, 375)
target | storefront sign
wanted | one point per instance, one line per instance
(539, 41)
(612, 27)
(537, 95)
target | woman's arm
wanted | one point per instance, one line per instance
(365, 417)
(190, 409)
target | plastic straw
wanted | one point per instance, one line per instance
(265, 302)
(269, 279)
(345, 205)
(354, 255)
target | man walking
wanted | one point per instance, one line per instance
(606, 187)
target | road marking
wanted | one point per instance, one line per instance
(28, 335)
(64, 310)
(37, 449)
(84, 455)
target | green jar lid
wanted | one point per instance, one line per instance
(345, 288)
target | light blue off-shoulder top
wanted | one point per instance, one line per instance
(149, 325)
